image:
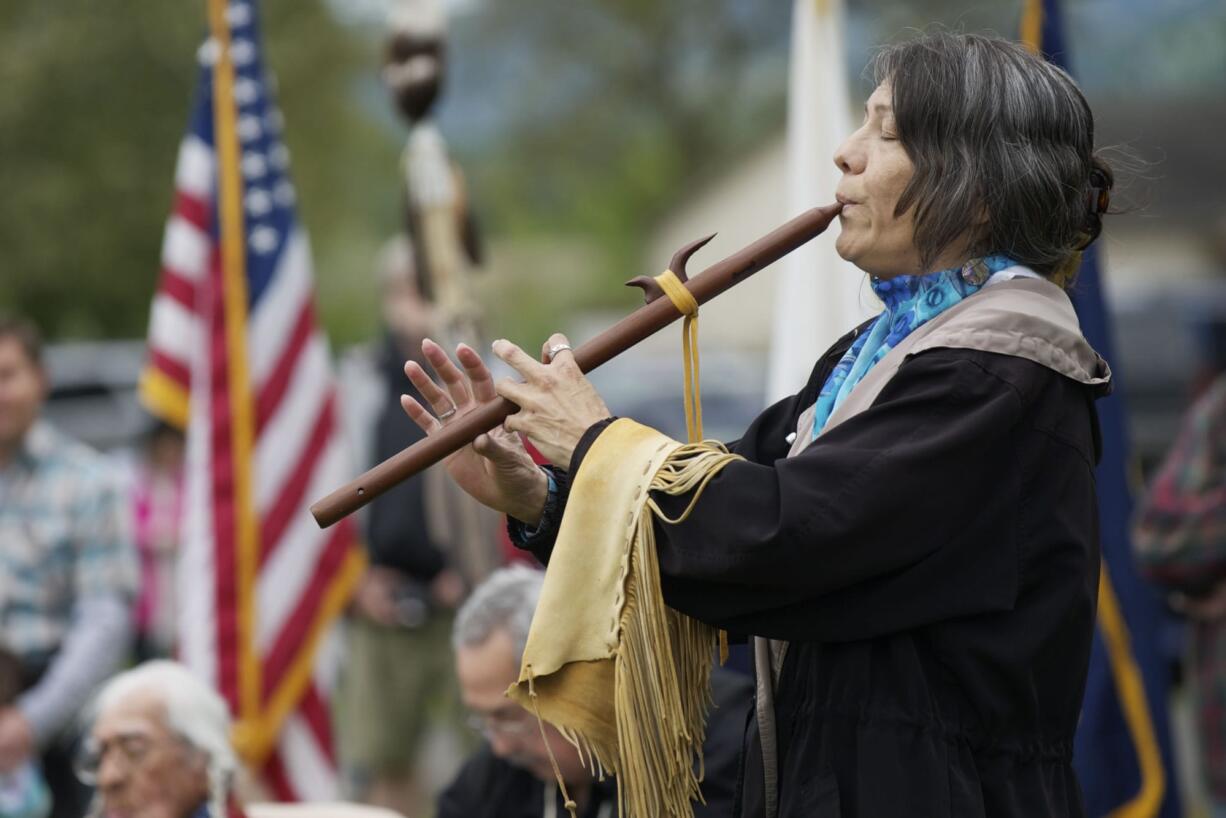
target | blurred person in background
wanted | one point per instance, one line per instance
(1179, 535)
(67, 571)
(446, 242)
(159, 747)
(23, 791)
(157, 505)
(429, 544)
(512, 774)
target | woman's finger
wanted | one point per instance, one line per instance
(497, 448)
(516, 424)
(517, 393)
(418, 414)
(517, 359)
(558, 350)
(478, 373)
(439, 401)
(506, 439)
(457, 384)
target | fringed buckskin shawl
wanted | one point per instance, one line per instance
(622, 676)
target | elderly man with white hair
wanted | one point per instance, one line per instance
(160, 747)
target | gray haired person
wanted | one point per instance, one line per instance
(511, 775)
(505, 602)
(159, 746)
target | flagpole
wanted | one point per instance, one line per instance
(234, 305)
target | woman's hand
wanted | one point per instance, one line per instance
(495, 469)
(556, 402)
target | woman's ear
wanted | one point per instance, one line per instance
(981, 216)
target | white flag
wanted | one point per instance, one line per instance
(819, 296)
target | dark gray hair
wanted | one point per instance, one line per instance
(994, 132)
(504, 602)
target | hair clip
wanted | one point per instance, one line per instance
(1098, 199)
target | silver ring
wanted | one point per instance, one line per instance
(556, 348)
(448, 413)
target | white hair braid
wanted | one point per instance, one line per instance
(220, 779)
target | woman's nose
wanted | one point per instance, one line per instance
(847, 157)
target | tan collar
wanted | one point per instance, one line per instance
(1029, 318)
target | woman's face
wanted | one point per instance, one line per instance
(876, 169)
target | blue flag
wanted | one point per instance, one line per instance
(1122, 752)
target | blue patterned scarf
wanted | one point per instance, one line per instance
(909, 302)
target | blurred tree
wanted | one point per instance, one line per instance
(95, 98)
(95, 102)
(611, 110)
(583, 124)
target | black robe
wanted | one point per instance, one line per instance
(933, 562)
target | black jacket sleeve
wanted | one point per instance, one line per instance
(901, 516)
(764, 441)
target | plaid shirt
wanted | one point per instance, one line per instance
(1180, 541)
(64, 531)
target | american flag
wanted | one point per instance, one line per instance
(236, 358)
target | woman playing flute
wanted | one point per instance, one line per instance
(913, 535)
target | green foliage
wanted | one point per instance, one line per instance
(96, 99)
(614, 111)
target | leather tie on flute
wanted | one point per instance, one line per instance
(658, 313)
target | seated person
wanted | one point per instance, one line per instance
(511, 775)
(160, 746)
(23, 791)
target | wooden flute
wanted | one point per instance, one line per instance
(649, 319)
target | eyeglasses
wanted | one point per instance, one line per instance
(502, 723)
(132, 750)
